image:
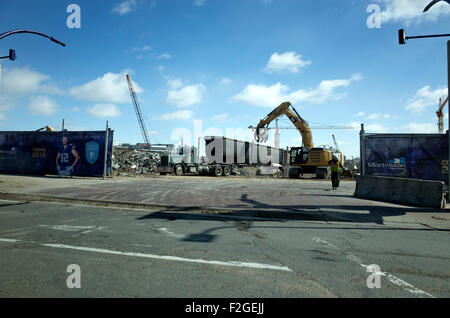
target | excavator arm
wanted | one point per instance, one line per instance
(289, 111)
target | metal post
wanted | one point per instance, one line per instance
(362, 155)
(448, 92)
(277, 135)
(106, 151)
(62, 125)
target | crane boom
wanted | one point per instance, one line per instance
(138, 111)
(440, 115)
(335, 143)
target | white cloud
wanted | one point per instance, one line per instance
(5, 103)
(375, 128)
(360, 114)
(21, 81)
(50, 89)
(165, 56)
(285, 62)
(178, 115)
(425, 98)
(420, 128)
(185, 96)
(409, 11)
(199, 3)
(373, 116)
(2, 117)
(110, 88)
(355, 125)
(175, 83)
(125, 7)
(220, 117)
(271, 96)
(104, 110)
(225, 81)
(141, 49)
(265, 96)
(371, 128)
(42, 106)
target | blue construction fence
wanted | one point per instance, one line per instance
(416, 156)
(36, 153)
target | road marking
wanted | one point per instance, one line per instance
(172, 258)
(393, 279)
(69, 227)
(319, 240)
(165, 230)
(8, 240)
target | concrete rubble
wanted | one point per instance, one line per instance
(127, 162)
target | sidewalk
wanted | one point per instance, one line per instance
(308, 200)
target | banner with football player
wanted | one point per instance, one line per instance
(68, 153)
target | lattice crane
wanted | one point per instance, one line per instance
(137, 108)
(440, 115)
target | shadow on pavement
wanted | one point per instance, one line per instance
(375, 213)
(206, 236)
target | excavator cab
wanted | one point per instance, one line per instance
(299, 155)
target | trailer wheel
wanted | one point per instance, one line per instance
(218, 171)
(226, 171)
(179, 170)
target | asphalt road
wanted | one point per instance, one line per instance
(143, 253)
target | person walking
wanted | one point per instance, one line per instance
(335, 170)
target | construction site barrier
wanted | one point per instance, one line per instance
(416, 192)
(35, 152)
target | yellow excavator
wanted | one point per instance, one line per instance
(305, 159)
(47, 129)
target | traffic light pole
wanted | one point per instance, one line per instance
(11, 56)
(402, 40)
(448, 130)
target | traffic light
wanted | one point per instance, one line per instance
(12, 54)
(401, 36)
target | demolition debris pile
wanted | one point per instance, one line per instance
(127, 162)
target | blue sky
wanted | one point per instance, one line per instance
(222, 65)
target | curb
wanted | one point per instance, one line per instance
(274, 214)
(262, 213)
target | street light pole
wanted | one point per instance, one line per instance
(8, 33)
(402, 40)
(448, 130)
